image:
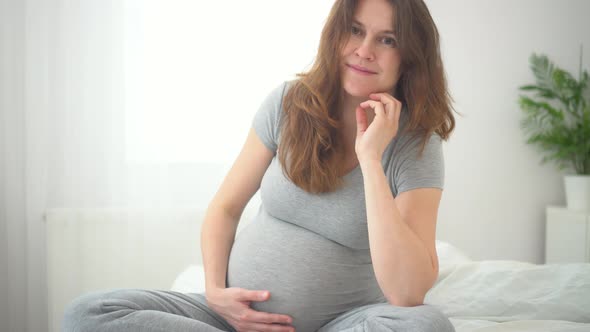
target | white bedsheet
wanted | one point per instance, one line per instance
(474, 325)
(487, 296)
(490, 296)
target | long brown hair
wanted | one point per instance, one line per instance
(310, 150)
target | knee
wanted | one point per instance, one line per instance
(92, 311)
(435, 320)
(80, 312)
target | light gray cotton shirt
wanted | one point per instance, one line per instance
(311, 251)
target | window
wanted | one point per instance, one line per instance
(197, 71)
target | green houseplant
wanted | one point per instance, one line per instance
(557, 120)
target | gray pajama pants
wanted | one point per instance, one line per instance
(158, 310)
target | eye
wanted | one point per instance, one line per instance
(389, 41)
(355, 31)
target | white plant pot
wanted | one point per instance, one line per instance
(577, 192)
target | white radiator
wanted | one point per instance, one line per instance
(97, 249)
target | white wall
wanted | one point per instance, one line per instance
(496, 191)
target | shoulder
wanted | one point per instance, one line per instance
(408, 166)
(409, 143)
(275, 98)
(268, 118)
(417, 146)
(281, 89)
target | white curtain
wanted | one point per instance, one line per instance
(61, 100)
(74, 111)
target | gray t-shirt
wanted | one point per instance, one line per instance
(311, 251)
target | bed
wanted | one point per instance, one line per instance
(491, 295)
(160, 248)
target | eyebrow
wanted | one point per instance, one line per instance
(384, 31)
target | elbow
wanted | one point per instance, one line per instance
(414, 294)
(410, 298)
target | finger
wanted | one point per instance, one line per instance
(250, 295)
(385, 98)
(265, 317)
(361, 120)
(375, 105)
(391, 104)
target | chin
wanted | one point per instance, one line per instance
(358, 90)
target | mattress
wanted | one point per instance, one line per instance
(491, 295)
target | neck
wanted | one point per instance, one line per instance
(348, 105)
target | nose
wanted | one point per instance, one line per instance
(365, 50)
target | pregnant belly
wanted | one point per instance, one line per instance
(309, 277)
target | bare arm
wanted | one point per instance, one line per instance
(224, 211)
(402, 237)
(217, 237)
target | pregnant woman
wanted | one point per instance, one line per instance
(348, 159)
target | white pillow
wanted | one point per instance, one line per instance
(504, 290)
(192, 279)
(449, 254)
(449, 257)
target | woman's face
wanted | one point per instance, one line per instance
(373, 46)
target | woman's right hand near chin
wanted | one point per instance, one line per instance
(233, 304)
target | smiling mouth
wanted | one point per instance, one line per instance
(360, 71)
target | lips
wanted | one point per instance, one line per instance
(361, 69)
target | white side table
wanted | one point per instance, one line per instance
(567, 236)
